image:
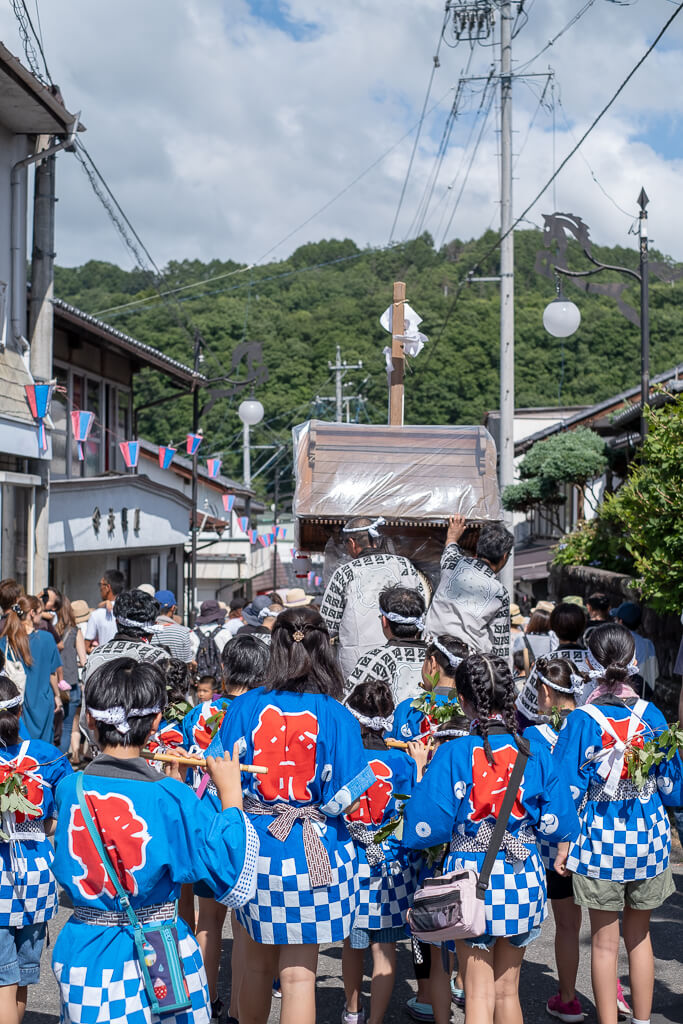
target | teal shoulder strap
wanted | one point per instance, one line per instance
(104, 856)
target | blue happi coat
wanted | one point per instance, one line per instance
(626, 836)
(158, 836)
(28, 891)
(386, 888)
(545, 735)
(460, 790)
(312, 748)
(412, 724)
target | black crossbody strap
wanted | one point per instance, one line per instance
(501, 823)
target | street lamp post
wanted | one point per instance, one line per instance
(561, 318)
(250, 412)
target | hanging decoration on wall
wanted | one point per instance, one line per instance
(252, 535)
(193, 442)
(228, 502)
(166, 453)
(243, 523)
(39, 397)
(214, 467)
(81, 425)
(265, 539)
(131, 453)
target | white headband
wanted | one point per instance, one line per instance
(406, 620)
(453, 658)
(449, 733)
(14, 702)
(597, 670)
(371, 529)
(146, 627)
(118, 716)
(576, 687)
(377, 723)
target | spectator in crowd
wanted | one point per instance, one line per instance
(35, 651)
(178, 639)
(10, 592)
(597, 606)
(517, 623)
(102, 624)
(537, 640)
(568, 622)
(349, 605)
(81, 612)
(470, 603)
(135, 613)
(71, 646)
(210, 622)
(234, 621)
(256, 611)
(399, 661)
(629, 614)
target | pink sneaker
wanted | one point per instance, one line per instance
(570, 1013)
(623, 1009)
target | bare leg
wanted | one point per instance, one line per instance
(209, 930)
(256, 990)
(22, 997)
(383, 978)
(567, 928)
(298, 966)
(604, 954)
(353, 962)
(636, 925)
(507, 964)
(9, 1008)
(186, 905)
(439, 989)
(476, 968)
(237, 964)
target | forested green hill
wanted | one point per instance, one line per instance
(332, 292)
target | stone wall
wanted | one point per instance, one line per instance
(664, 630)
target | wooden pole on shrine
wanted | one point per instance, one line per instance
(398, 359)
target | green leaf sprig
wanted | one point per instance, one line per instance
(215, 720)
(176, 712)
(13, 799)
(640, 761)
(427, 704)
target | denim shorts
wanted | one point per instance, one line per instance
(519, 941)
(20, 950)
(361, 938)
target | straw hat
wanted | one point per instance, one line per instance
(297, 598)
(81, 610)
(544, 606)
(516, 617)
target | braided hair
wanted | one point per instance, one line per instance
(485, 682)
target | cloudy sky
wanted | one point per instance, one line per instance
(223, 125)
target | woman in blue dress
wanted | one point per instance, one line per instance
(37, 651)
(458, 801)
(307, 888)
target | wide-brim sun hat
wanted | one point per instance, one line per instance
(210, 612)
(81, 610)
(297, 598)
(516, 617)
(543, 606)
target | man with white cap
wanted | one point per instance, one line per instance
(350, 604)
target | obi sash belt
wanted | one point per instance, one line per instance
(18, 832)
(514, 846)
(366, 837)
(317, 858)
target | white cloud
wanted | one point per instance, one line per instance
(219, 133)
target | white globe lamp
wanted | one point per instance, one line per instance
(561, 317)
(250, 412)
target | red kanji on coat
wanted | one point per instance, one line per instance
(34, 788)
(125, 836)
(620, 726)
(373, 803)
(285, 743)
(489, 783)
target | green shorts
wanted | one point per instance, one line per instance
(643, 894)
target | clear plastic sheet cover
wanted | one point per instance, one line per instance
(412, 473)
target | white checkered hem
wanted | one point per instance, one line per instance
(609, 850)
(286, 910)
(94, 994)
(516, 899)
(384, 900)
(29, 900)
(244, 888)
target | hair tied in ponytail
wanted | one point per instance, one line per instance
(18, 610)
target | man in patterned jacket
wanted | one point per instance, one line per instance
(399, 660)
(350, 607)
(470, 603)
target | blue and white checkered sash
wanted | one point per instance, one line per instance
(365, 837)
(317, 858)
(514, 846)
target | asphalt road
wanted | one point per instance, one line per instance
(538, 981)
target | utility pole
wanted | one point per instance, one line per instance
(398, 356)
(276, 498)
(340, 369)
(644, 313)
(506, 454)
(41, 325)
(194, 521)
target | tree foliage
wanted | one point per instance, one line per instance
(332, 292)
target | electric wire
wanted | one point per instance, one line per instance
(551, 42)
(522, 216)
